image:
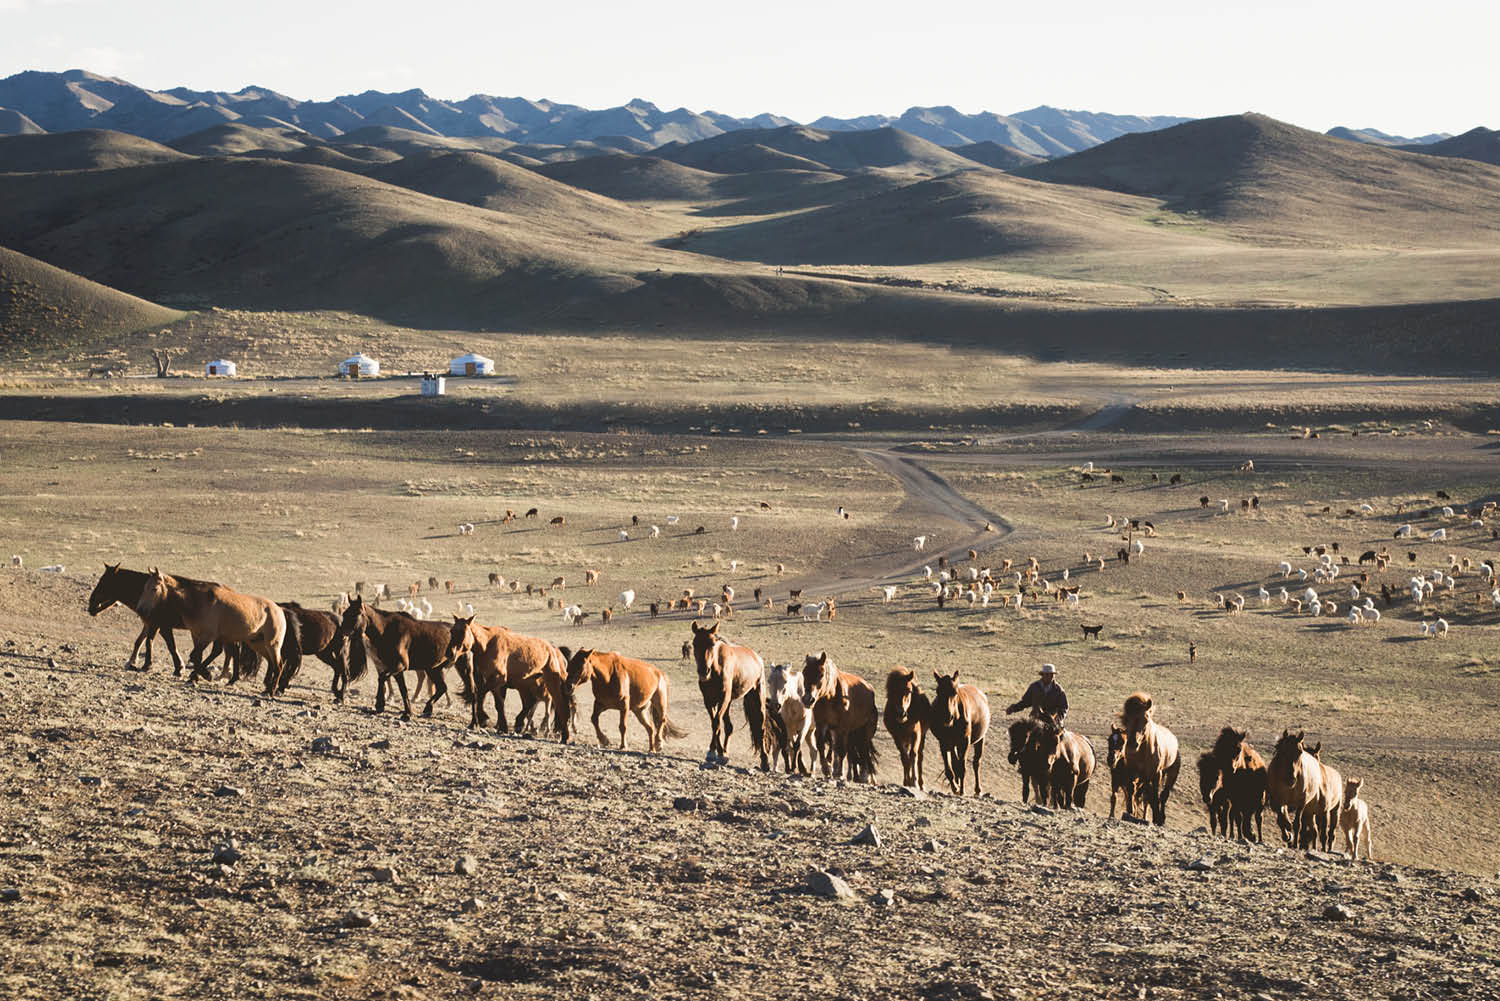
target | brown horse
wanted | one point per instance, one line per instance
(1215, 796)
(625, 685)
(727, 672)
(1309, 793)
(1070, 760)
(1151, 749)
(907, 710)
(1026, 755)
(843, 709)
(1244, 776)
(960, 720)
(398, 643)
(499, 660)
(219, 615)
(125, 587)
(1122, 777)
(309, 633)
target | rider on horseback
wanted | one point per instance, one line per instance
(1045, 697)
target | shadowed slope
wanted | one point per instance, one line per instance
(1479, 143)
(47, 308)
(87, 149)
(799, 146)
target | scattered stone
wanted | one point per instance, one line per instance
(884, 898)
(380, 745)
(868, 836)
(688, 803)
(90, 780)
(931, 845)
(911, 791)
(383, 874)
(923, 822)
(229, 791)
(558, 896)
(324, 745)
(356, 918)
(1473, 895)
(1043, 810)
(228, 853)
(829, 886)
(467, 865)
(1338, 912)
(1203, 864)
(221, 872)
(471, 905)
(10, 894)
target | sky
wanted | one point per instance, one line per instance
(1407, 69)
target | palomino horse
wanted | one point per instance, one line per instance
(219, 615)
(1243, 774)
(960, 719)
(1312, 793)
(784, 690)
(1151, 749)
(398, 643)
(727, 672)
(1122, 777)
(499, 660)
(1070, 762)
(907, 710)
(843, 711)
(125, 587)
(625, 685)
(1026, 754)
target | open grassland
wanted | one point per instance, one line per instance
(303, 515)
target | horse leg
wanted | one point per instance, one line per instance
(405, 696)
(755, 715)
(599, 711)
(921, 753)
(960, 751)
(439, 686)
(978, 753)
(640, 714)
(145, 635)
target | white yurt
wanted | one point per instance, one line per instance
(471, 364)
(359, 366)
(220, 366)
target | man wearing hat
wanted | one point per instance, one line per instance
(1044, 695)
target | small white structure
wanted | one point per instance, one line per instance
(471, 364)
(434, 385)
(360, 366)
(220, 366)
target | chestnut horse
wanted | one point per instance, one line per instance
(216, 614)
(1151, 749)
(1310, 792)
(625, 685)
(125, 587)
(499, 660)
(907, 710)
(843, 710)
(727, 672)
(398, 643)
(784, 688)
(1243, 774)
(1122, 777)
(1070, 762)
(1026, 755)
(960, 720)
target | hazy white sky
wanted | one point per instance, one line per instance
(1406, 68)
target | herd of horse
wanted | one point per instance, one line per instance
(827, 712)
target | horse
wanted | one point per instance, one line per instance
(1122, 777)
(625, 685)
(1215, 796)
(217, 614)
(125, 587)
(1243, 774)
(1151, 749)
(398, 643)
(843, 711)
(960, 720)
(907, 710)
(788, 723)
(500, 659)
(727, 672)
(310, 633)
(1025, 754)
(1070, 762)
(1307, 794)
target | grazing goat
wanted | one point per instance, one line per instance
(531, 513)
(919, 543)
(627, 598)
(557, 521)
(655, 532)
(590, 577)
(734, 523)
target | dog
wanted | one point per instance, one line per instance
(1091, 631)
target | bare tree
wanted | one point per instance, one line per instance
(163, 359)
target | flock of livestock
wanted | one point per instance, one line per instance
(816, 716)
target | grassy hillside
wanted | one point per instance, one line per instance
(87, 149)
(47, 311)
(799, 147)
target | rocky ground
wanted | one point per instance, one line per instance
(162, 841)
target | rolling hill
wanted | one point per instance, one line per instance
(1041, 132)
(13, 123)
(43, 308)
(87, 149)
(799, 147)
(1480, 144)
(235, 138)
(1281, 182)
(997, 155)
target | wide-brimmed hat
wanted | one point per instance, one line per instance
(1048, 669)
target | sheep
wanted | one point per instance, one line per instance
(974, 573)
(728, 593)
(672, 519)
(1138, 546)
(1447, 512)
(1354, 592)
(1264, 596)
(466, 529)
(571, 614)
(780, 569)
(1072, 599)
(1370, 613)
(1354, 617)
(1284, 596)
(17, 562)
(813, 613)
(1285, 567)
(919, 543)
(627, 598)
(559, 582)
(1223, 506)
(624, 535)
(654, 532)
(927, 573)
(1315, 608)
(1238, 603)
(1403, 532)
(889, 591)
(1088, 467)
(1366, 509)
(1310, 595)
(1248, 466)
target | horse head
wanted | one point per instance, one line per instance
(704, 639)
(1287, 760)
(1136, 717)
(817, 675)
(901, 691)
(579, 669)
(107, 591)
(1116, 745)
(946, 695)
(353, 618)
(460, 637)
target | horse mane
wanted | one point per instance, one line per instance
(896, 681)
(1228, 744)
(1137, 704)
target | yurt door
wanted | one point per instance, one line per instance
(468, 368)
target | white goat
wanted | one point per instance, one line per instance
(655, 532)
(1404, 532)
(927, 573)
(1264, 596)
(1438, 535)
(889, 591)
(1138, 546)
(1285, 567)
(627, 598)
(624, 535)
(672, 519)
(919, 543)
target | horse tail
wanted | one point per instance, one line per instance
(773, 735)
(291, 650)
(356, 660)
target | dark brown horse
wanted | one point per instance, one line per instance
(844, 715)
(310, 633)
(117, 586)
(1026, 754)
(502, 660)
(960, 720)
(1122, 777)
(907, 710)
(399, 643)
(1244, 777)
(1215, 796)
(727, 672)
(1070, 762)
